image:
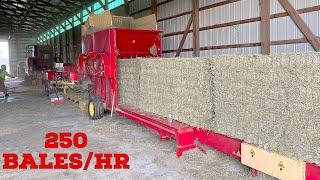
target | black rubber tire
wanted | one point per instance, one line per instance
(98, 108)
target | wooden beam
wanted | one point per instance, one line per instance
(154, 7)
(184, 37)
(127, 7)
(196, 42)
(265, 27)
(301, 24)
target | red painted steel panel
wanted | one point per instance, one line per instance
(312, 171)
(183, 133)
(50, 75)
(141, 43)
(87, 44)
(101, 41)
(128, 42)
(220, 142)
(70, 72)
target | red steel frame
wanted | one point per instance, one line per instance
(312, 171)
(69, 73)
(182, 133)
(102, 49)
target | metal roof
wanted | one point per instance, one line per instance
(32, 17)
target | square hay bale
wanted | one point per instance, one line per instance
(129, 71)
(164, 86)
(270, 101)
(178, 86)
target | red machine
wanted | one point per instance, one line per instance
(48, 70)
(100, 66)
(42, 58)
(67, 71)
(99, 63)
(60, 75)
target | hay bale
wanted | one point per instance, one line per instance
(129, 71)
(163, 86)
(177, 86)
(270, 101)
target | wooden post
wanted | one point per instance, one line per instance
(265, 27)
(185, 34)
(154, 7)
(196, 42)
(301, 24)
(127, 7)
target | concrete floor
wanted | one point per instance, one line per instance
(27, 115)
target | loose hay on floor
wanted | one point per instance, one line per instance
(270, 101)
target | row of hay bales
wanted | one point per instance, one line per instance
(271, 101)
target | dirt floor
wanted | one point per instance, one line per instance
(27, 115)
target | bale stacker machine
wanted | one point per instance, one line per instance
(98, 63)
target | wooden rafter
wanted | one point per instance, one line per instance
(265, 27)
(154, 7)
(196, 41)
(184, 37)
(127, 7)
(301, 24)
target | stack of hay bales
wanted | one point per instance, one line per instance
(164, 86)
(270, 101)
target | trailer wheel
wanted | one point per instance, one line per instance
(95, 108)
